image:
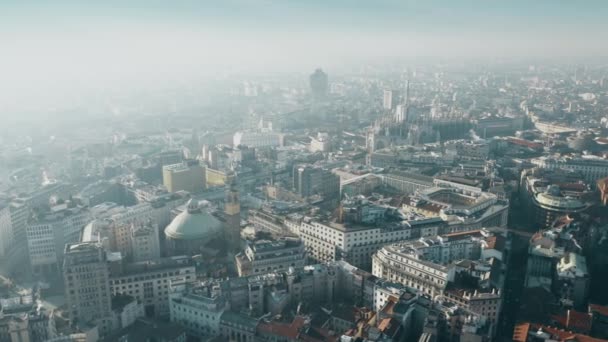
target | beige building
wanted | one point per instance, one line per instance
(87, 290)
(187, 176)
(263, 256)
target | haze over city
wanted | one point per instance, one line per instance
(281, 171)
(55, 48)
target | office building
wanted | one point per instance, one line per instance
(149, 281)
(309, 180)
(255, 139)
(406, 182)
(264, 256)
(573, 280)
(187, 176)
(145, 244)
(543, 255)
(49, 232)
(6, 230)
(169, 157)
(319, 84)
(198, 309)
(591, 167)
(424, 264)
(361, 229)
(20, 214)
(390, 99)
(87, 291)
(402, 264)
(320, 143)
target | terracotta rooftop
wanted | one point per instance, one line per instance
(288, 330)
(496, 242)
(526, 143)
(574, 320)
(520, 333)
(601, 309)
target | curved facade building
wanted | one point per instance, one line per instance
(551, 204)
(191, 231)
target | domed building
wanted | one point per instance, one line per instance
(192, 230)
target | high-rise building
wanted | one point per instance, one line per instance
(87, 288)
(318, 84)
(149, 281)
(232, 210)
(390, 99)
(309, 180)
(188, 176)
(6, 229)
(320, 143)
(145, 243)
(49, 232)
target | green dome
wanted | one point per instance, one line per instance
(193, 224)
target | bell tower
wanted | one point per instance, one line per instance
(232, 211)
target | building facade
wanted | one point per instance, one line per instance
(87, 291)
(187, 176)
(48, 233)
(149, 282)
(263, 256)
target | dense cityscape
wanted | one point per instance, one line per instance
(435, 204)
(282, 171)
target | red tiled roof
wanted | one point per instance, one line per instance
(601, 309)
(496, 242)
(525, 143)
(463, 234)
(572, 186)
(575, 320)
(520, 333)
(580, 321)
(289, 330)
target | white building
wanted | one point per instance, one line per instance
(126, 310)
(263, 256)
(145, 244)
(592, 167)
(258, 139)
(320, 143)
(48, 233)
(6, 230)
(198, 309)
(404, 264)
(149, 282)
(463, 207)
(573, 280)
(87, 293)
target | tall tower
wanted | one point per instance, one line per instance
(318, 84)
(232, 211)
(87, 285)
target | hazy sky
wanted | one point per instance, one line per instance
(56, 45)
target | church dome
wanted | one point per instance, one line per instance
(193, 224)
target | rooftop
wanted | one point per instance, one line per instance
(194, 223)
